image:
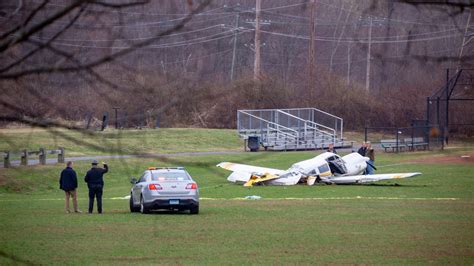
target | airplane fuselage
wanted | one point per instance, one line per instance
(329, 164)
(326, 168)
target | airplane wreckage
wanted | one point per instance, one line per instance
(327, 168)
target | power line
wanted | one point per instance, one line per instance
(135, 13)
(132, 39)
(328, 24)
(205, 13)
(158, 23)
(414, 35)
(168, 45)
(288, 16)
(226, 15)
(218, 25)
(361, 13)
(396, 20)
(360, 40)
(338, 62)
(282, 7)
(140, 25)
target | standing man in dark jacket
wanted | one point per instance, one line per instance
(68, 183)
(370, 164)
(95, 183)
(331, 148)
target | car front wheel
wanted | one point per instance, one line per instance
(143, 208)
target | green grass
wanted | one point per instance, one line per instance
(424, 220)
(243, 232)
(146, 141)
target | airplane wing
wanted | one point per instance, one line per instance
(249, 169)
(253, 180)
(356, 179)
(248, 174)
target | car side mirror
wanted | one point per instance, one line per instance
(133, 180)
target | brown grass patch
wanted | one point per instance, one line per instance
(14, 185)
(449, 159)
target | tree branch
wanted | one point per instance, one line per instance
(32, 14)
(41, 46)
(120, 5)
(108, 58)
(24, 35)
(459, 4)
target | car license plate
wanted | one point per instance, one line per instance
(174, 202)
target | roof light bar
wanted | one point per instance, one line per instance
(166, 168)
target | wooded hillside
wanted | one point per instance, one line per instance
(192, 62)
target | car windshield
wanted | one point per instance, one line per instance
(169, 176)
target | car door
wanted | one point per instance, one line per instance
(137, 188)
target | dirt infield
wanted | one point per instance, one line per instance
(451, 159)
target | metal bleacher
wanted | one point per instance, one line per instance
(291, 129)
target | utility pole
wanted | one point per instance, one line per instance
(311, 49)
(253, 22)
(367, 76)
(256, 67)
(370, 21)
(235, 46)
(236, 30)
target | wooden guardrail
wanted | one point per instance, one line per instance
(25, 156)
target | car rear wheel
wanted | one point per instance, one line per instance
(143, 208)
(132, 207)
(194, 210)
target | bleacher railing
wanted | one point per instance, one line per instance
(299, 119)
(259, 126)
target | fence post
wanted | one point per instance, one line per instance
(88, 120)
(125, 120)
(42, 156)
(428, 102)
(442, 137)
(24, 157)
(141, 122)
(398, 146)
(61, 155)
(105, 121)
(6, 160)
(158, 120)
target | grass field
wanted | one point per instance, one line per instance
(425, 220)
(153, 141)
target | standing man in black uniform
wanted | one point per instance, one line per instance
(95, 183)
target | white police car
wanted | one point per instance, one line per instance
(164, 188)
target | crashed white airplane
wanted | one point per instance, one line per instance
(327, 168)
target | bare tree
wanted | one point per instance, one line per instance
(121, 52)
(28, 46)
